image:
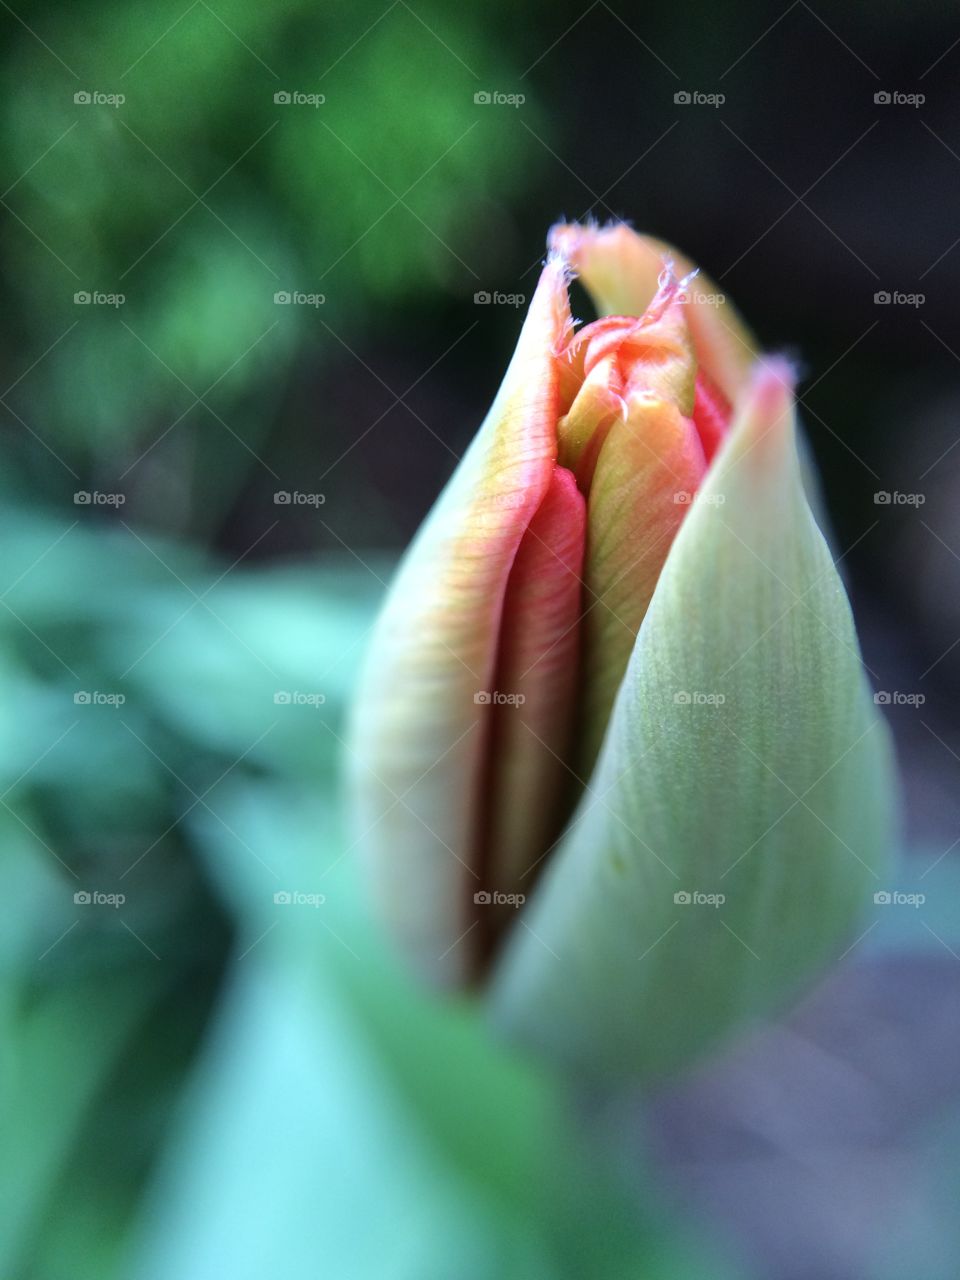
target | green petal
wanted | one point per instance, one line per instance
(744, 759)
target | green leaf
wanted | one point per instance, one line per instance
(61, 1053)
(343, 1123)
(745, 759)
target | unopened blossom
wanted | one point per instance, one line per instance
(613, 760)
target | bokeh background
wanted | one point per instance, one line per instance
(241, 247)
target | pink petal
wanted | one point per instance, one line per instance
(539, 648)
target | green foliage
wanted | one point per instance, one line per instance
(199, 197)
(338, 1120)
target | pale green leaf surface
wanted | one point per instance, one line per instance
(744, 758)
(342, 1122)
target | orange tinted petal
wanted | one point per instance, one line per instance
(648, 470)
(538, 664)
(620, 270)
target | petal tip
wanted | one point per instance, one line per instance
(775, 375)
(570, 239)
(763, 424)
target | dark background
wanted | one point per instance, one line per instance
(199, 397)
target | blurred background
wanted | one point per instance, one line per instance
(263, 268)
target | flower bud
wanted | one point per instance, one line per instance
(612, 754)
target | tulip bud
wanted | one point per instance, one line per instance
(618, 654)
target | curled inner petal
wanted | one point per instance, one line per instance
(639, 434)
(532, 716)
(711, 413)
(620, 270)
(648, 470)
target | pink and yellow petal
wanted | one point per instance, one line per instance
(538, 674)
(620, 270)
(418, 734)
(648, 471)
